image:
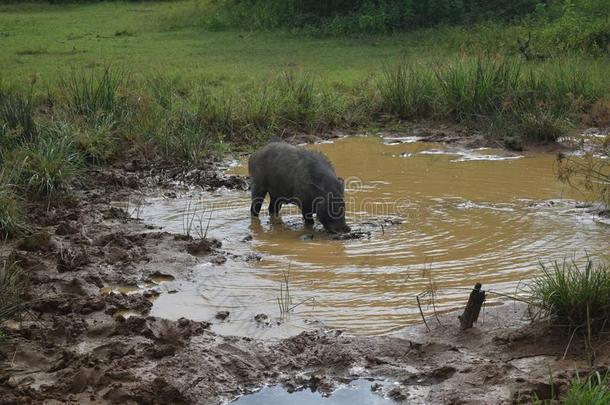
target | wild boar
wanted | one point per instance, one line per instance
(293, 175)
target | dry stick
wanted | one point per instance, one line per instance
(473, 307)
(422, 313)
(565, 353)
(302, 302)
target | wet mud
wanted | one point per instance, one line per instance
(96, 330)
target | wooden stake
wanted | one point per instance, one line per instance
(473, 307)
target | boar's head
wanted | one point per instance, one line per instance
(330, 207)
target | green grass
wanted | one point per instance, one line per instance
(11, 216)
(13, 284)
(163, 43)
(594, 390)
(46, 165)
(573, 295)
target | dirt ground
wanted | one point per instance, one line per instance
(75, 346)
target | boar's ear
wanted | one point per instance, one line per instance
(341, 182)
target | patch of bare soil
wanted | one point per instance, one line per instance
(80, 343)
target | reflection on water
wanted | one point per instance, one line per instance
(357, 392)
(468, 216)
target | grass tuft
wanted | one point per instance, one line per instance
(47, 165)
(594, 390)
(11, 216)
(573, 295)
(16, 117)
(93, 93)
(408, 92)
(13, 284)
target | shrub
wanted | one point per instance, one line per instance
(589, 172)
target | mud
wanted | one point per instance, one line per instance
(95, 273)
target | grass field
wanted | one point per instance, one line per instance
(151, 38)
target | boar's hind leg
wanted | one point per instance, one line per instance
(258, 196)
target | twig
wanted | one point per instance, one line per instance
(422, 313)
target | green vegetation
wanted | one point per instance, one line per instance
(573, 296)
(590, 172)
(11, 216)
(594, 390)
(348, 16)
(89, 84)
(557, 25)
(12, 286)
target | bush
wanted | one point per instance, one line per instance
(573, 296)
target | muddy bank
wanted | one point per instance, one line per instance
(95, 273)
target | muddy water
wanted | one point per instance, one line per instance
(467, 216)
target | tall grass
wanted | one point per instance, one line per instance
(16, 116)
(408, 91)
(503, 96)
(47, 165)
(93, 93)
(11, 216)
(475, 88)
(572, 295)
(13, 283)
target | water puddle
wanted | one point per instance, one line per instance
(358, 392)
(461, 217)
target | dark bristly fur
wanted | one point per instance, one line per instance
(293, 175)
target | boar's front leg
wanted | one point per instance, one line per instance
(308, 210)
(258, 196)
(275, 205)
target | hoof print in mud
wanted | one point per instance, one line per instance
(134, 302)
(71, 260)
(67, 228)
(262, 320)
(203, 246)
(218, 260)
(38, 242)
(397, 394)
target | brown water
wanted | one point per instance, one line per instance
(468, 216)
